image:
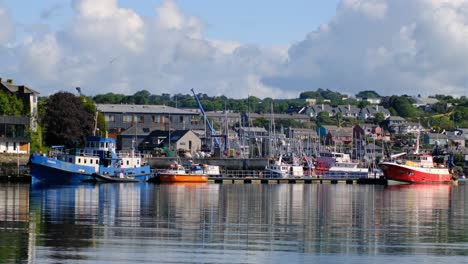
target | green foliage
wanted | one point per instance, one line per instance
(36, 140)
(322, 94)
(368, 94)
(68, 120)
(323, 118)
(400, 105)
(101, 124)
(379, 119)
(363, 104)
(10, 104)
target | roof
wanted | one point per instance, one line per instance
(16, 88)
(141, 129)
(142, 109)
(175, 135)
(253, 129)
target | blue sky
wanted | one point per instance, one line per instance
(259, 22)
(236, 48)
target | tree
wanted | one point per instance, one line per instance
(323, 118)
(363, 104)
(68, 120)
(10, 104)
(379, 118)
(368, 94)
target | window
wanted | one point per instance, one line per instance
(79, 160)
(181, 119)
(109, 118)
(140, 119)
(155, 118)
(127, 118)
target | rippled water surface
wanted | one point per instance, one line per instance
(213, 223)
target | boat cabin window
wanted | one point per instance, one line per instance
(79, 160)
(106, 145)
(128, 162)
(84, 160)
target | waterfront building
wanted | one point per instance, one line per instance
(120, 117)
(177, 140)
(13, 129)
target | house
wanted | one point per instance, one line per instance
(322, 131)
(120, 117)
(27, 95)
(14, 129)
(435, 139)
(425, 103)
(340, 136)
(409, 128)
(370, 112)
(458, 141)
(348, 111)
(314, 110)
(362, 132)
(134, 136)
(224, 118)
(181, 140)
(301, 133)
(13, 134)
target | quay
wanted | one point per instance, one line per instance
(251, 180)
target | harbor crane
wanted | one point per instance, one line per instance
(212, 131)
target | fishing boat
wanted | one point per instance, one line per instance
(99, 157)
(196, 173)
(346, 170)
(277, 168)
(416, 168)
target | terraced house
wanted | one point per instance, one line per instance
(14, 127)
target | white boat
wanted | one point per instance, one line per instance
(280, 169)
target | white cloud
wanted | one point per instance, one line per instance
(7, 29)
(413, 47)
(389, 46)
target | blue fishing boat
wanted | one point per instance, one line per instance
(77, 165)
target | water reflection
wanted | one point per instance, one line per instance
(230, 223)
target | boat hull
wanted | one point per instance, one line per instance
(410, 174)
(50, 170)
(181, 178)
(108, 178)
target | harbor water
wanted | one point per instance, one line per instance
(233, 223)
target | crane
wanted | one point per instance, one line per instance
(213, 132)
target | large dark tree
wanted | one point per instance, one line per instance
(68, 120)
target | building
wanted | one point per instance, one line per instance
(224, 118)
(13, 134)
(14, 129)
(339, 136)
(120, 117)
(27, 95)
(435, 139)
(178, 140)
(314, 110)
(370, 112)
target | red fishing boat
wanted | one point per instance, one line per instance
(416, 168)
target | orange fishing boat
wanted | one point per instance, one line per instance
(178, 173)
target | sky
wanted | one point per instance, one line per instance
(263, 48)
